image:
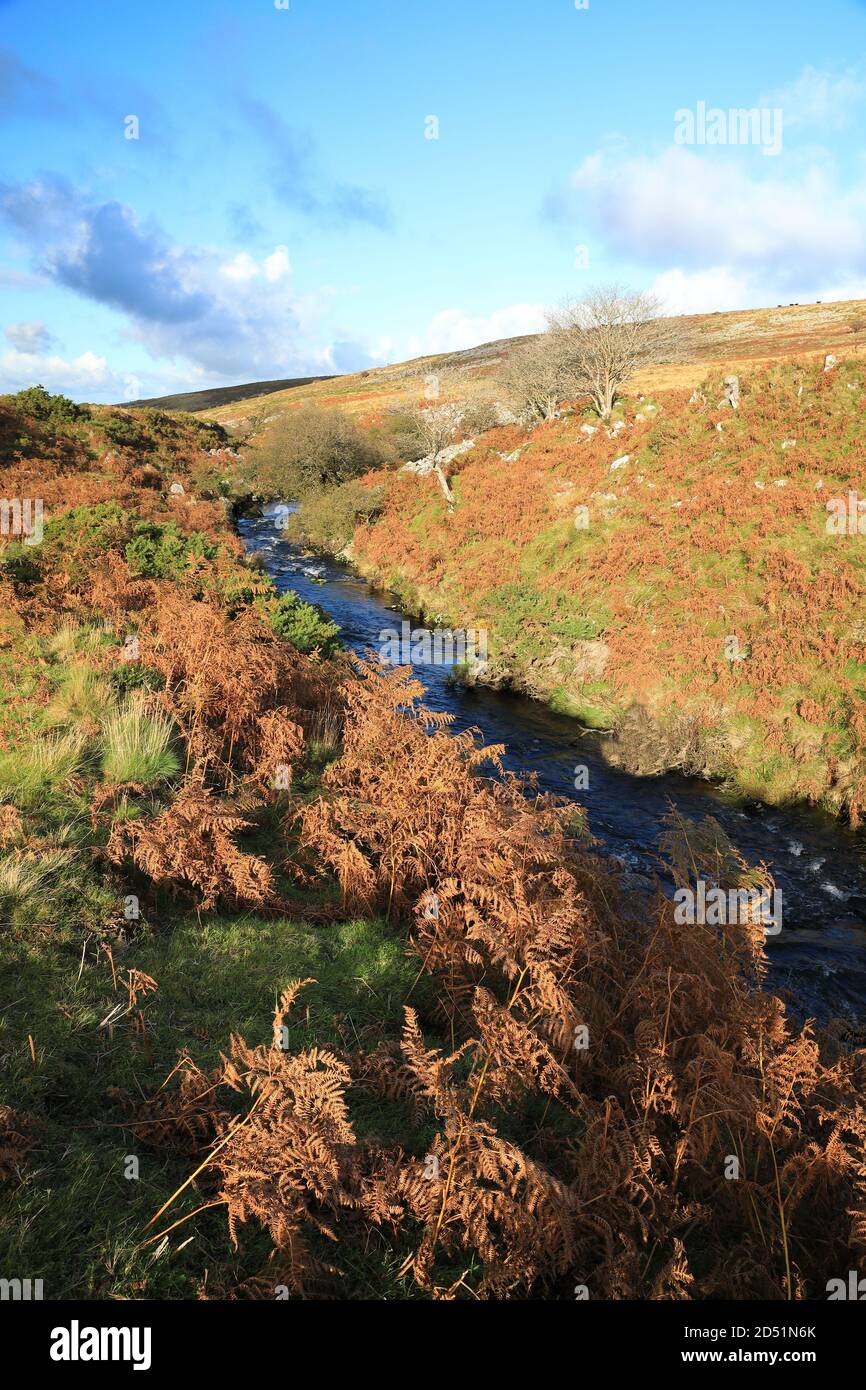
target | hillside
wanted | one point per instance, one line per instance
(710, 341)
(213, 397)
(672, 577)
(301, 998)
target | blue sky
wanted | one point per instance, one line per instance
(283, 210)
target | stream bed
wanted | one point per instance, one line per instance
(819, 958)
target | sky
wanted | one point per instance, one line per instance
(220, 191)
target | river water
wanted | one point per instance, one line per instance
(819, 958)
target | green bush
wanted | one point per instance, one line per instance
(163, 551)
(20, 563)
(124, 430)
(133, 675)
(105, 526)
(328, 519)
(307, 450)
(305, 625)
(39, 404)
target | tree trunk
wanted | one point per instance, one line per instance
(444, 484)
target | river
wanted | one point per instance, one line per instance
(819, 958)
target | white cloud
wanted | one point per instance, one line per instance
(453, 329)
(244, 267)
(20, 369)
(29, 337)
(818, 100)
(277, 265)
(692, 211)
(702, 291)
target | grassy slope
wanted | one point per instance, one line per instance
(710, 340)
(705, 533)
(76, 1221)
(535, 939)
(68, 1215)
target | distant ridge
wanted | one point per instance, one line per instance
(223, 395)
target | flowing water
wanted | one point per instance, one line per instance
(818, 959)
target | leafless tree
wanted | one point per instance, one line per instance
(437, 425)
(606, 336)
(536, 378)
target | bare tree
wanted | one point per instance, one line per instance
(606, 336)
(437, 426)
(536, 378)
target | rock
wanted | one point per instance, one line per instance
(424, 466)
(697, 397)
(829, 362)
(588, 429)
(620, 462)
(510, 458)
(789, 443)
(590, 658)
(177, 489)
(760, 486)
(732, 391)
(780, 482)
(635, 883)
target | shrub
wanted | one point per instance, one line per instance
(305, 625)
(124, 430)
(310, 449)
(39, 404)
(328, 520)
(397, 437)
(132, 675)
(20, 563)
(105, 526)
(163, 552)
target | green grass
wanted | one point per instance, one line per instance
(31, 772)
(137, 746)
(74, 1220)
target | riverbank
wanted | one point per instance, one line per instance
(816, 859)
(305, 996)
(688, 578)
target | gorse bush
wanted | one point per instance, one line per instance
(162, 551)
(79, 534)
(125, 430)
(39, 404)
(21, 563)
(305, 625)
